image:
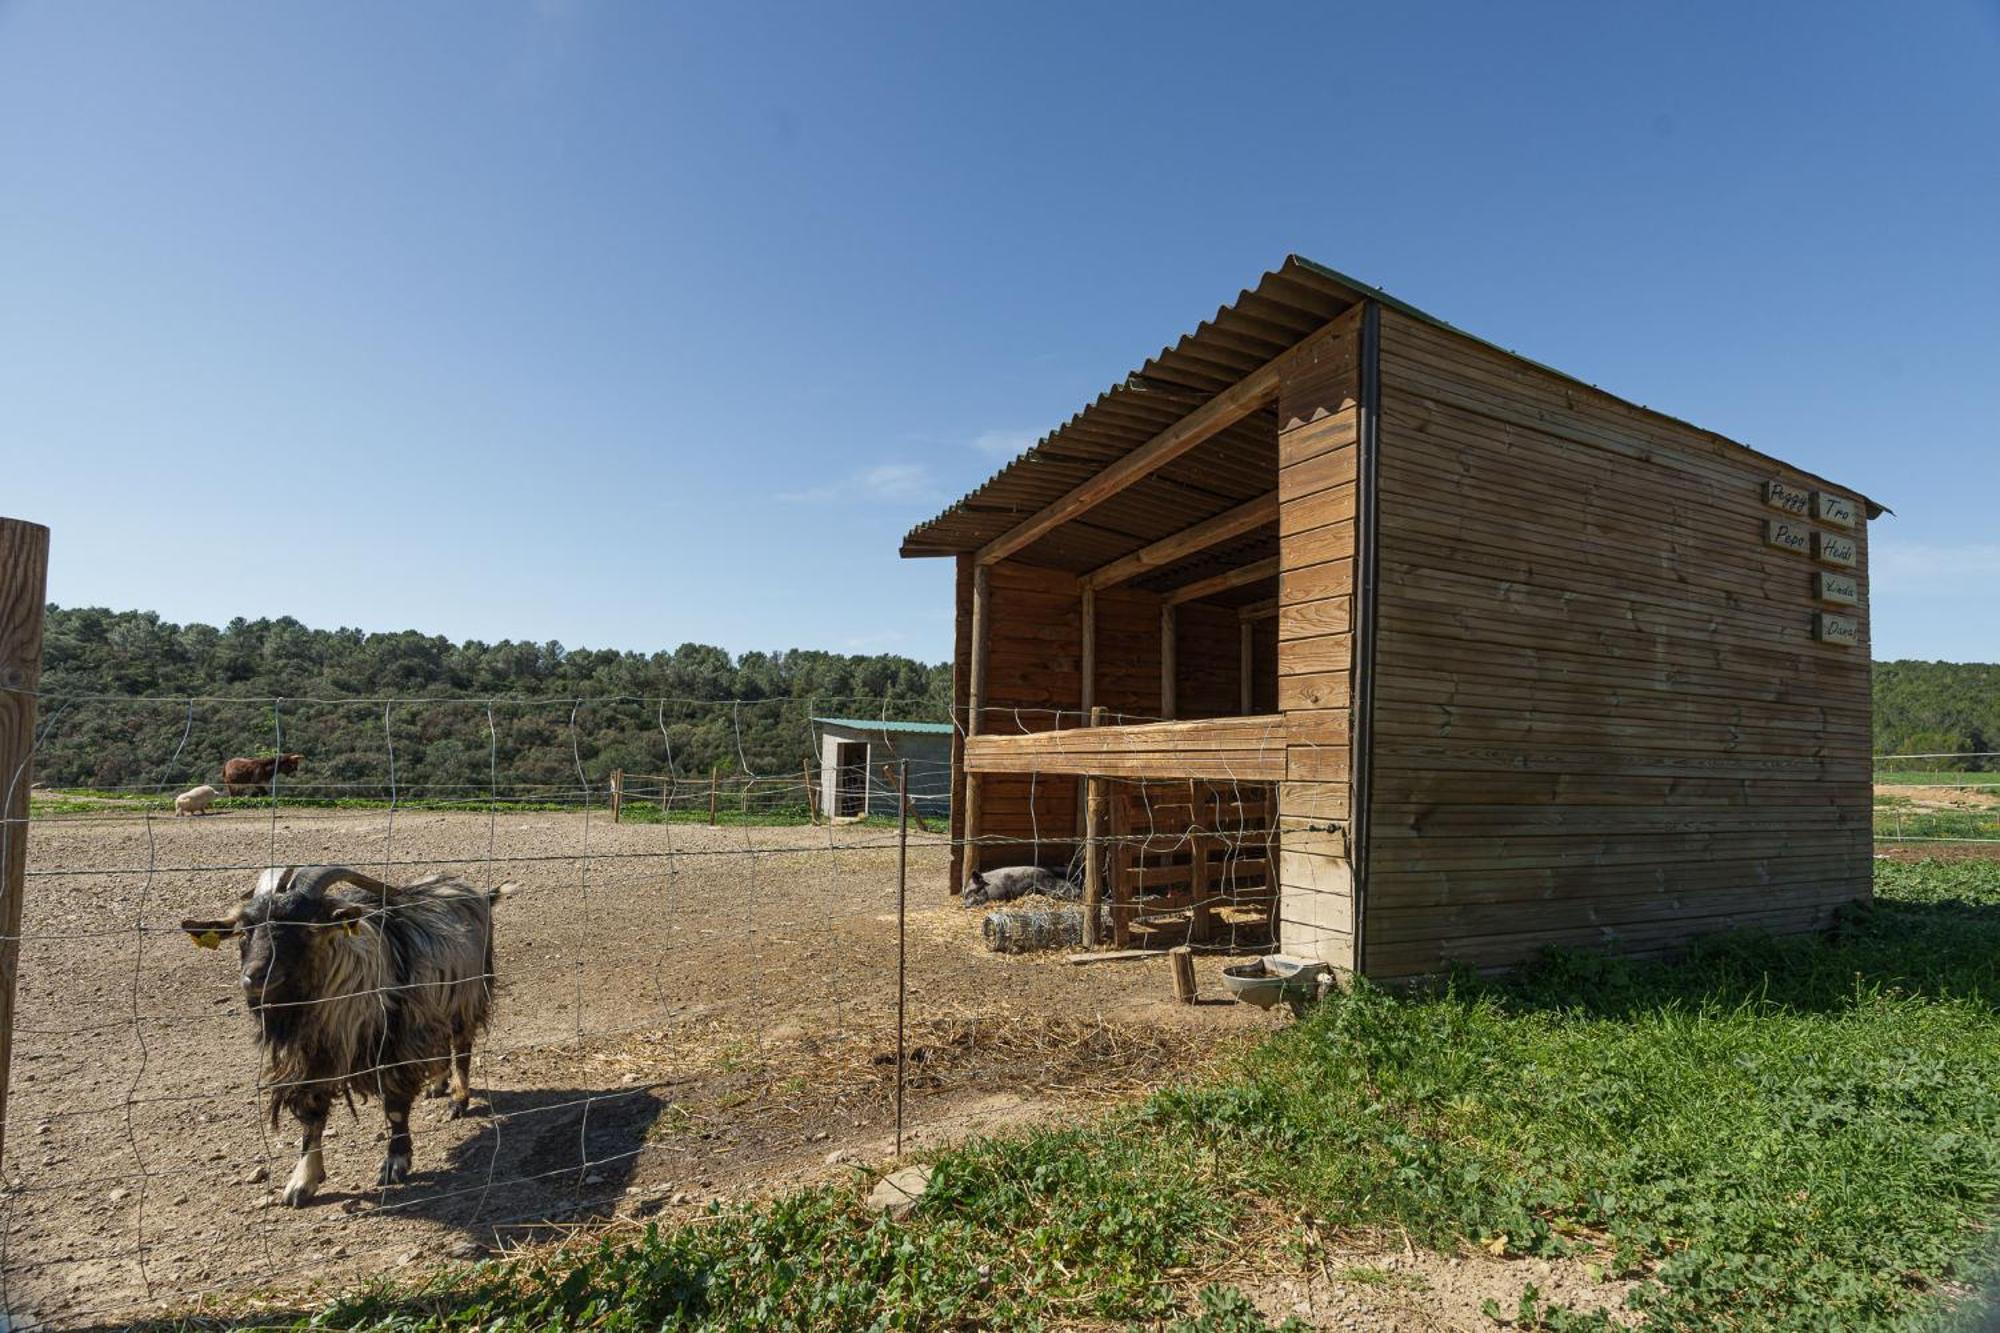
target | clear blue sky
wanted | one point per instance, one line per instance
(630, 324)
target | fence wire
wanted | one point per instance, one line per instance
(695, 980)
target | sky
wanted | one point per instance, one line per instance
(629, 325)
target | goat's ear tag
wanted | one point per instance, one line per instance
(208, 939)
(350, 927)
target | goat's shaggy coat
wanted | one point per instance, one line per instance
(361, 989)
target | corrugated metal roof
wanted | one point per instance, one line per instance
(890, 724)
(1287, 304)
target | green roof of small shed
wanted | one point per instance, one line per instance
(886, 724)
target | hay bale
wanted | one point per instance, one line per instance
(1028, 929)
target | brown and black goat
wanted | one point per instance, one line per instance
(360, 988)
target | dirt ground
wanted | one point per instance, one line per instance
(684, 1014)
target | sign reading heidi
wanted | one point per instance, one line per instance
(1841, 589)
(1780, 496)
(1833, 549)
(1843, 630)
(1786, 535)
(1835, 509)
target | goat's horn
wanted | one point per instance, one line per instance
(316, 880)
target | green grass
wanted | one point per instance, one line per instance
(1798, 1133)
(1906, 824)
(1935, 778)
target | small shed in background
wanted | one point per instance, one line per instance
(858, 763)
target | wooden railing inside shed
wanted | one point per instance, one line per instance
(1242, 749)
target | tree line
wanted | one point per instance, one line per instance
(133, 701)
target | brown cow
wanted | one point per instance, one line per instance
(247, 777)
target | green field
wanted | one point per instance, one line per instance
(1798, 1133)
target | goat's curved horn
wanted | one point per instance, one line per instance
(316, 880)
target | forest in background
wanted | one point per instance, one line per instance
(467, 717)
(471, 716)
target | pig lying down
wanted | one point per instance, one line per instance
(1007, 883)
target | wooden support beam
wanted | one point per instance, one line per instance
(1264, 610)
(1235, 578)
(1169, 668)
(1245, 654)
(1093, 861)
(24, 570)
(1219, 413)
(1246, 517)
(982, 618)
(1089, 700)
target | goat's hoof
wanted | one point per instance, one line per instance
(441, 1088)
(460, 1108)
(395, 1170)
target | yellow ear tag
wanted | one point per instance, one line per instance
(208, 939)
(350, 926)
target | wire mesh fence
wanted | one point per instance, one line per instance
(1944, 800)
(713, 991)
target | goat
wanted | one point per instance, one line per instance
(195, 801)
(357, 987)
(254, 775)
(1007, 883)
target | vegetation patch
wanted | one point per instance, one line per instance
(1797, 1133)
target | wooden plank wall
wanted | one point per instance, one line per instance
(1601, 715)
(1318, 418)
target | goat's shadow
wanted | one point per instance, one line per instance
(538, 1158)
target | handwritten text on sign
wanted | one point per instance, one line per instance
(1833, 549)
(1787, 535)
(1835, 509)
(1843, 589)
(1780, 496)
(1844, 630)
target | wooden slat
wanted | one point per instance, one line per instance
(1248, 749)
(1223, 582)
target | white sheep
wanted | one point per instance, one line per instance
(195, 802)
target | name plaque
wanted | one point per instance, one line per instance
(1842, 630)
(1835, 509)
(1780, 496)
(1841, 589)
(1787, 535)
(1833, 549)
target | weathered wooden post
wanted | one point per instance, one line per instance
(812, 792)
(714, 777)
(1093, 851)
(1169, 668)
(1181, 959)
(975, 706)
(1245, 655)
(617, 794)
(24, 569)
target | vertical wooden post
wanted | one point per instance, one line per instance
(617, 794)
(714, 776)
(902, 934)
(24, 570)
(1087, 697)
(1093, 852)
(667, 797)
(1181, 958)
(812, 792)
(1245, 657)
(982, 614)
(1169, 670)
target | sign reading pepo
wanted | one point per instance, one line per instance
(1833, 549)
(1843, 630)
(1835, 509)
(1841, 589)
(1787, 535)
(1780, 496)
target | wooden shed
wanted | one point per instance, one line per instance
(1521, 663)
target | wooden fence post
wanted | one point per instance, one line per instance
(812, 792)
(714, 775)
(617, 794)
(24, 570)
(1181, 958)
